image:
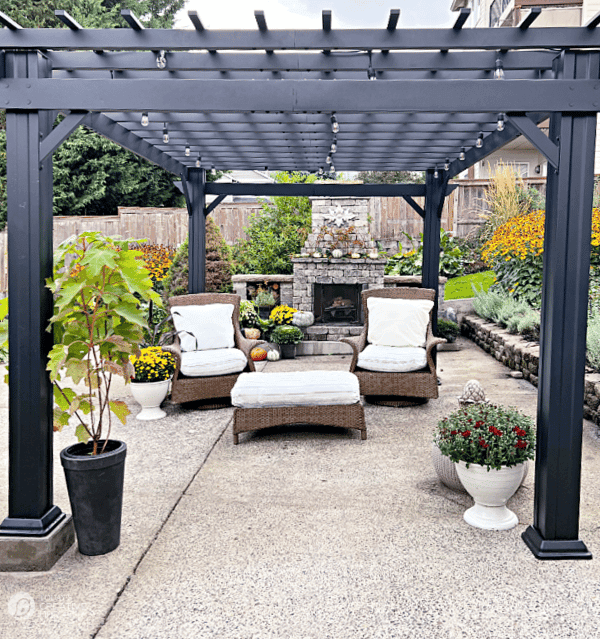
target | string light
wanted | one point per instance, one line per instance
(436, 174)
(328, 160)
(334, 146)
(370, 70)
(499, 72)
(479, 142)
(462, 154)
(213, 170)
(447, 165)
(187, 151)
(335, 125)
(500, 125)
(332, 169)
(161, 60)
(145, 119)
(165, 134)
(198, 162)
(320, 170)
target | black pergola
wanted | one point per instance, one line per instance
(190, 100)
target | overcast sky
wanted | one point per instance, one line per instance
(306, 14)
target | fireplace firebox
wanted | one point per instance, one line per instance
(337, 303)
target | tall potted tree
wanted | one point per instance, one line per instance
(99, 284)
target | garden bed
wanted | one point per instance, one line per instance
(522, 355)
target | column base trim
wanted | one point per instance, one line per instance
(554, 549)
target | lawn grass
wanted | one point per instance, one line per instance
(460, 287)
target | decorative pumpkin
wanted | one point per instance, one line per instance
(355, 255)
(316, 254)
(258, 353)
(337, 253)
(303, 319)
(252, 333)
(273, 355)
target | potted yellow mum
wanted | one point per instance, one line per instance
(150, 385)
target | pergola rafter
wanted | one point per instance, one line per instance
(442, 100)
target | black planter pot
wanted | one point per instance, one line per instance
(264, 312)
(95, 485)
(288, 351)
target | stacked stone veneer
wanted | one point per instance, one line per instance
(522, 355)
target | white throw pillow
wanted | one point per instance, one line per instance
(204, 327)
(394, 322)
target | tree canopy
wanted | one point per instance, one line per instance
(391, 177)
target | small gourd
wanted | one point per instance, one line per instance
(273, 355)
(258, 354)
(337, 253)
(252, 333)
(303, 319)
(355, 256)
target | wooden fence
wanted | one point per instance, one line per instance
(169, 226)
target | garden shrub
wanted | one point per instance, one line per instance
(516, 316)
(218, 268)
(411, 262)
(276, 233)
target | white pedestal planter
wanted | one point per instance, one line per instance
(490, 490)
(150, 395)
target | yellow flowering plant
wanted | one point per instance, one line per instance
(152, 365)
(282, 315)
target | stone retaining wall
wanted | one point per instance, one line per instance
(522, 356)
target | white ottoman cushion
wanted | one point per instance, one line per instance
(392, 359)
(222, 361)
(306, 388)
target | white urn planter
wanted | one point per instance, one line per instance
(490, 490)
(150, 395)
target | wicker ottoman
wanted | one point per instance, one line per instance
(330, 398)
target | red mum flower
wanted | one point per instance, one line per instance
(521, 444)
(483, 444)
(466, 433)
(479, 424)
(453, 432)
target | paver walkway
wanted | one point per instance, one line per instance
(311, 533)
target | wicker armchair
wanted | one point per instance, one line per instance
(212, 392)
(396, 389)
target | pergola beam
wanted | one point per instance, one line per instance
(364, 39)
(316, 189)
(542, 143)
(438, 96)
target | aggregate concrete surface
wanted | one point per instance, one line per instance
(309, 533)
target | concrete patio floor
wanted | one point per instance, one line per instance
(309, 533)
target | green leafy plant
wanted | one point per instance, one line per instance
(98, 324)
(488, 435)
(517, 316)
(264, 298)
(248, 314)
(447, 329)
(285, 334)
(411, 262)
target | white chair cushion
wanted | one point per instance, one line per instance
(222, 361)
(394, 322)
(305, 388)
(204, 327)
(392, 359)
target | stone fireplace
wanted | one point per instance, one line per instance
(330, 286)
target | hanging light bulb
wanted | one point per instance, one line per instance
(187, 151)
(334, 146)
(479, 142)
(462, 154)
(499, 72)
(198, 162)
(500, 125)
(161, 60)
(328, 159)
(436, 173)
(145, 119)
(335, 126)
(447, 165)
(320, 170)
(165, 134)
(213, 170)
(332, 169)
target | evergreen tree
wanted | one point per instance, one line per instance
(392, 177)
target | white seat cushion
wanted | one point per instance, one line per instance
(204, 327)
(306, 388)
(222, 361)
(398, 322)
(392, 359)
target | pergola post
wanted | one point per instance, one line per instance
(435, 189)
(36, 532)
(555, 530)
(197, 230)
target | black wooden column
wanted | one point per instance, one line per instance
(197, 230)
(555, 530)
(434, 204)
(29, 196)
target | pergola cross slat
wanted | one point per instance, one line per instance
(258, 98)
